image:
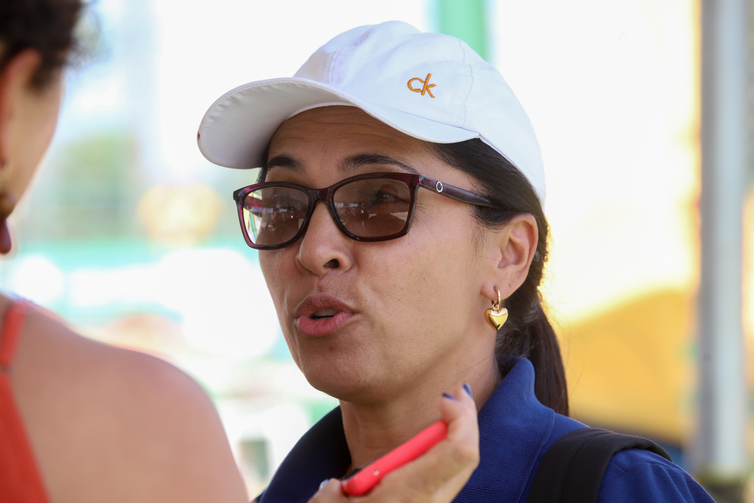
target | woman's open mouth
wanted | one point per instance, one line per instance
(321, 314)
(324, 314)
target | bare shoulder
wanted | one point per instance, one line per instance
(139, 428)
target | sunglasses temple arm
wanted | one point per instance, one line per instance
(453, 192)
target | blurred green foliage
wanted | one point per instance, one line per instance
(87, 191)
(467, 20)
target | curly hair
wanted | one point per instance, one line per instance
(46, 26)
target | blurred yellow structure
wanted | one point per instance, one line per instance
(179, 214)
(631, 366)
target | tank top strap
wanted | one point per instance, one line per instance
(20, 480)
(13, 322)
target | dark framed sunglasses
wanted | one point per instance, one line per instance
(369, 207)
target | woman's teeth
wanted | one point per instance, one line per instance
(325, 313)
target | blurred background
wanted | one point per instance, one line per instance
(132, 235)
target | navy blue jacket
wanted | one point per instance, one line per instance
(515, 431)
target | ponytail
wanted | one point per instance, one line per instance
(527, 333)
(537, 342)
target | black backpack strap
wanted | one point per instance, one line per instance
(572, 468)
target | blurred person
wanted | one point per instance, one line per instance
(399, 225)
(82, 421)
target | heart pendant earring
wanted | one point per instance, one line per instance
(496, 315)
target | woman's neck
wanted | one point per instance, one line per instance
(373, 429)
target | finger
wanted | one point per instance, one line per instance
(329, 492)
(461, 416)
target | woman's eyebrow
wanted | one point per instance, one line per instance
(348, 165)
(283, 161)
(355, 161)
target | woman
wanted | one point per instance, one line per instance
(430, 234)
(86, 422)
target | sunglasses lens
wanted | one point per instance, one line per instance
(273, 215)
(373, 207)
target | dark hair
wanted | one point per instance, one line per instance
(528, 332)
(46, 26)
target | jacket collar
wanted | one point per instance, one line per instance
(513, 429)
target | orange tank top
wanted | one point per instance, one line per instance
(20, 481)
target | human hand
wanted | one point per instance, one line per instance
(435, 477)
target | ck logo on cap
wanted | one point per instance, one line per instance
(425, 88)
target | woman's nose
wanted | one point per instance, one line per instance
(324, 247)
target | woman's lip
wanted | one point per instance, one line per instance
(319, 302)
(315, 327)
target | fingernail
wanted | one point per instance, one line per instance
(468, 389)
(450, 397)
(323, 483)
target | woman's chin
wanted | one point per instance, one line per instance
(340, 387)
(345, 386)
(346, 368)
(368, 394)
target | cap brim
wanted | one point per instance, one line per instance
(238, 126)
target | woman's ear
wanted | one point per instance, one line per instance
(513, 247)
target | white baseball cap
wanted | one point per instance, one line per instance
(430, 86)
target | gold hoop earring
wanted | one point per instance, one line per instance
(496, 315)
